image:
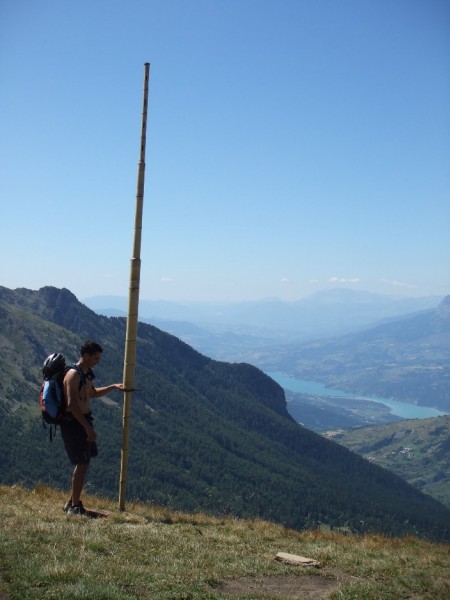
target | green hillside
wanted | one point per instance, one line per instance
(418, 450)
(205, 435)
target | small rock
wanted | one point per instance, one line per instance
(294, 559)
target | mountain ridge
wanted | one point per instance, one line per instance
(205, 434)
(320, 315)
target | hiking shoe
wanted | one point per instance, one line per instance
(68, 505)
(76, 510)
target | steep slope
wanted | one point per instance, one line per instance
(407, 359)
(204, 434)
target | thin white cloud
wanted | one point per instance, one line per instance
(166, 279)
(400, 284)
(344, 280)
(284, 280)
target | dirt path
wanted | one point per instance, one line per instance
(296, 587)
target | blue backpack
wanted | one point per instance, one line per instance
(51, 393)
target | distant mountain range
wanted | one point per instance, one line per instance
(205, 435)
(323, 314)
(407, 359)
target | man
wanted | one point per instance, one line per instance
(76, 426)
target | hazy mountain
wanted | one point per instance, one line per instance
(322, 314)
(406, 358)
(205, 435)
(418, 450)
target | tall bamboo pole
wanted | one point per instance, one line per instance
(129, 366)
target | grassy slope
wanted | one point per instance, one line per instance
(150, 552)
(416, 449)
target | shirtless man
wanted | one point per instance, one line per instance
(76, 426)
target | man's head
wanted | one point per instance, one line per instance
(90, 352)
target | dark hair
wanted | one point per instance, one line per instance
(90, 348)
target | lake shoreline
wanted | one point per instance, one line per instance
(400, 409)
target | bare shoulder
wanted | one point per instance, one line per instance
(71, 375)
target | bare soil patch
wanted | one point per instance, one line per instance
(305, 586)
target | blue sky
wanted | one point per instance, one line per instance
(293, 146)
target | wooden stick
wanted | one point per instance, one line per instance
(129, 367)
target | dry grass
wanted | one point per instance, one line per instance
(151, 552)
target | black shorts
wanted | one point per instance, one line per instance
(74, 436)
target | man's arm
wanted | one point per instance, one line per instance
(102, 391)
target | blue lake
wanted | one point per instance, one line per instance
(313, 388)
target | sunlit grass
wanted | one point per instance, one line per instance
(151, 552)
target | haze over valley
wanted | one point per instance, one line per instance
(365, 345)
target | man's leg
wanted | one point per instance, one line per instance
(78, 476)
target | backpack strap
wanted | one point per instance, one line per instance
(51, 433)
(52, 429)
(79, 370)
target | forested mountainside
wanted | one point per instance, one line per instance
(205, 435)
(416, 449)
